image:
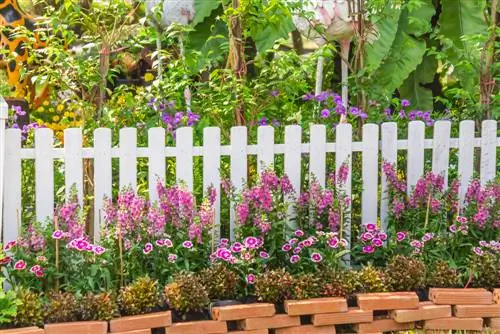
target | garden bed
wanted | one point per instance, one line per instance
(448, 309)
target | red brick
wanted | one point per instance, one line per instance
(477, 311)
(494, 323)
(425, 311)
(144, 321)
(276, 321)
(496, 295)
(387, 301)
(307, 329)
(24, 330)
(353, 316)
(198, 327)
(79, 327)
(315, 306)
(239, 312)
(472, 324)
(256, 331)
(383, 325)
(461, 296)
(138, 331)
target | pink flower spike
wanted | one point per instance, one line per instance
(57, 234)
(20, 265)
(148, 247)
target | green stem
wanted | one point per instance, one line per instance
(427, 212)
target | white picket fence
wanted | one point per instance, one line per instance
(371, 147)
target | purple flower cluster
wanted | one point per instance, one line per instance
(487, 247)
(301, 242)
(327, 97)
(460, 225)
(482, 202)
(372, 238)
(411, 115)
(418, 245)
(172, 118)
(26, 128)
(390, 172)
(83, 245)
(240, 252)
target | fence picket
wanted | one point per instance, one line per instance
(73, 163)
(293, 157)
(488, 151)
(12, 205)
(441, 149)
(184, 162)
(211, 169)
(156, 163)
(344, 155)
(265, 151)
(369, 200)
(317, 149)
(102, 175)
(44, 174)
(238, 166)
(415, 160)
(4, 113)
(465, 156)
(389, 154)
(128, 158)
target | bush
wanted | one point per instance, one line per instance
(61, 307)
(98, 307)
(335, 283)
(139, 297)
(186, 293)
(30, 311)
(273, 286)
(306, 286)
(371, 279)
(405, 274)
(219, 281)
(442, 275)
(485, 271)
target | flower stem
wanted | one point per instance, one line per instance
(427, 211)
(120, 249)
(56, 226)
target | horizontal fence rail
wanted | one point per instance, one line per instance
(379, 143)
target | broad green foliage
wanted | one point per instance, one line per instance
(203, 9)
(413, 85)
(8, 304)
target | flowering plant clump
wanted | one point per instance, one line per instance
(30, 311)
(481, 207)
(171, 117)
(58, 254)
(220, 281)
(61, 307)
(306, 286)
(324, 209)
(483, 265)
(273, 286)
(140, 297)
(261, 210)
(186, 293)
(160, 238)
(405, 273)
(310, 253)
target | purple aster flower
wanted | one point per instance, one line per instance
(263, 121)
(363, 115)
(187, 244)
(316, 257)
(429, 122)
(251, 279)
(286, 247)
(368, 249)
(321, 96)
(400, 236)
(420, 114)
(402, 114)
(405, 103)
(427, 115)
(325, 113)
(307, 97)
(412, 115)
(294, 258)
(354, 111)
(147, 248)
(388, 111)
(274, 92)
(264, 255)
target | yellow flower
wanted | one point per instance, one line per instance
(71, 114)
(66, 114)
(40, 109)
(60, 107)
(51, 109)
(56, 118)
(45, 103)
(148, 77)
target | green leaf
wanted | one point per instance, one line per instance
(419, 18)
(203, 9)
(413, 89)
(462, 18)
(386, 27)
(266, 37)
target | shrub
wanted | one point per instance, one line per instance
(405, 274)
(8, 304)
(139, 297)
(306, 286)
(273, 286)
(61, 307)
(220, 281)
(30, 311)
(101, 306)
(186, 293)
(442, 275)
(371, 279)
(335, 283)
(485, 270)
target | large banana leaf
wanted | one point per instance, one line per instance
(203, 9)
(413, 88)
(461, 18)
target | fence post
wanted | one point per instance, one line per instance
(4, 108)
